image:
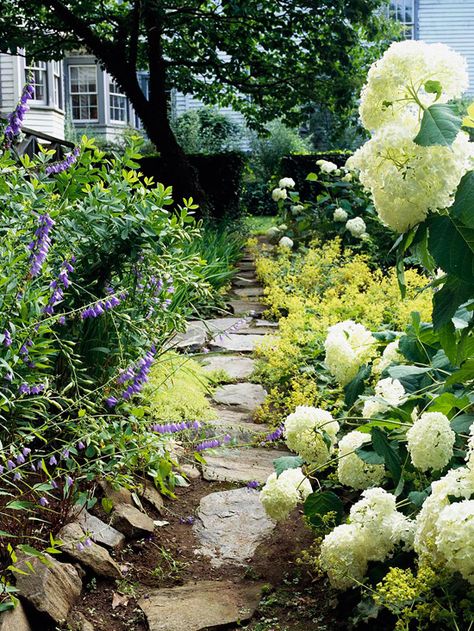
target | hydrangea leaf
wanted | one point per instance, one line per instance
(462, 423)
(355, 387)
(418, 497)
(384, 447)
(318, 504)
(368, 455)
(287, 462)
(439, 126)
(463, 375)
(447, 300)
(463, 206)
(452, 246)
(434, 87)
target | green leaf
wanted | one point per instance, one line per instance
(434, 87)
(312, 177)
(463, 206)
(418, 497)
(463, 375)
(355, 387)
(287, 462)
(452, 246)
(447, 299)
(107, 505)
(447, 402)
(439, 126)
(462, 423)
(368, 455)
(384, 447)
(319, 504)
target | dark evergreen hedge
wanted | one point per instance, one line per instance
(220, 176)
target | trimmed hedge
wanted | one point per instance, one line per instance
(298, 166)
(220, 176)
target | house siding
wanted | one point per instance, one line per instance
(450, 22)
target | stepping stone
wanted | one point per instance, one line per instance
(245, 273)
(94, 557)
(246, 266)
(253, 330)
(193, 339)
(244, 282)
(245, 307)
(230, 525)
(225, 325)
(236, 425)
(200, 605)
(52, 589)
(235, 366)
(241, 465)
(99, 531)
(266, 323)
(243, 343)
(243, 396)
(249, 292)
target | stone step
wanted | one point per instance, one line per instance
(245, 273)
(241, 465)
(236, 342)
(245, 397)
(266, 323)
(249, 292)
(243, 432)
(245, 307)
(234, 366)
(244, 282)
(200, 605)
(246, 266)
(230, 525)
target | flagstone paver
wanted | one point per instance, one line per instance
(249, 292)
(236, 342)
(235, 366)
(241, 465)
(243, 396)
(244, 307)
(230, 525)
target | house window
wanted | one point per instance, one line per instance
(83, 90)
(118, 103)
(57, 84)
(403, 11)
(37, 73)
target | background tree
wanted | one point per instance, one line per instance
(265, 58)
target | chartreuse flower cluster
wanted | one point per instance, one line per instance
(407, 180)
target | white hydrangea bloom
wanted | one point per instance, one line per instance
(388, 393)
(390, 355)
(458, 483)
(285, 242)
(373, 514)
(297, 208)
(281, 495)
(342, 556)
(279, 193)
(286, 182)
(406, 180)
(402, 530)
(455, 537)
(405, 66)
(356, 226)
(347, 177)
(352, 471)
(304, 433)
(348, 345)
(340, 215)
(327, 167)
(430, 441)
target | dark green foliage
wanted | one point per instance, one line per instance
(207, 131)
(298, 166)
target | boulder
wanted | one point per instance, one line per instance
(15, 620)
(131, 522)
(118, 495)
(149, 492)
(200, 605)
(99, 531)
(93, 556)
(52, 589)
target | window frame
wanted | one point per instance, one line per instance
(114, 93)
(32, 67)
(73, 93)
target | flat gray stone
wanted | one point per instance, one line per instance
(245, 307)
(241, 465)
(131, 522)
(94, 557)
(149, 492)
(237, 425)
(266, 324)
(243, 396)
(234, 366)
(190, 471)
(245, 281)
(99, 531)
(235, 342)
(118, 495)
(200, 605)
(15, 620)
(193, 339)
(52, 589)
(230, 525)
(249, 292)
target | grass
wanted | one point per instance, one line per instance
(257, 224)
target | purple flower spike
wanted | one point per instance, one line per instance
(7, 338)
(15, 119)
(40, 247)
(20, 459)
(253, 484)
(10, 464)
(17, 476)
(59, 167)
(43, 501)
(69, 481)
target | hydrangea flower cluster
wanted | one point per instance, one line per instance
(375, 528)
(356, 227)
(390, 355)
(388, 393)
(311, 433)
(348, 345)
(282, 494)
(430, 441)
(39, 247)
(340, 215)
(328, 167)
(352, 471)
(279, 193)
(286, 182)
(59, 167)
(16, 118)
(407, 180)
(286, 242)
